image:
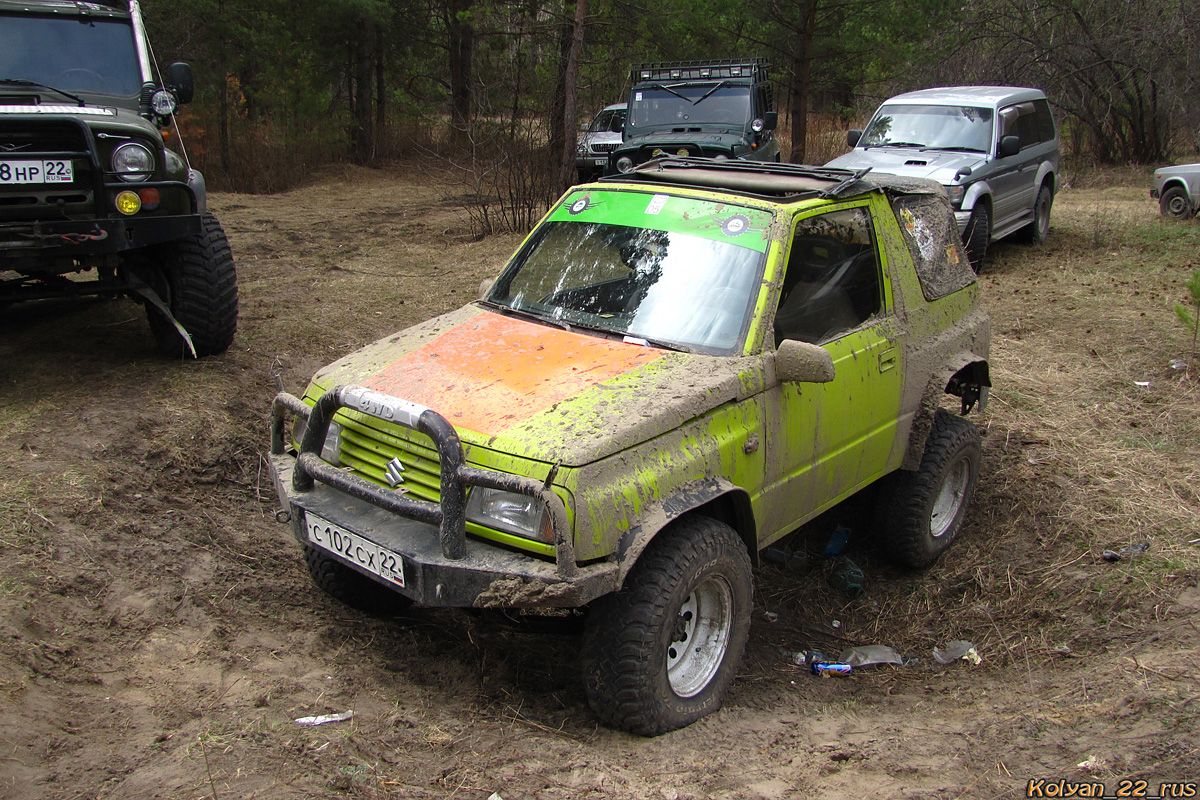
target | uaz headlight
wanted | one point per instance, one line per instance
(518, 514)
(133, 162)
(625, 163)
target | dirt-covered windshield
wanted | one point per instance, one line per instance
(672, 271)
(689, 104)
(934, 127)
(73, 54)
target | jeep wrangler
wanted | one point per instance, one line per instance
(678, 367)
(708, 109)
(87, 187)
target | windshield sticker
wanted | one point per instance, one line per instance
(656, 205)
(735, 225)
(580, 205)
(637, 97)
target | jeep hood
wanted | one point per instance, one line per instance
(910, 162)
(540, 392)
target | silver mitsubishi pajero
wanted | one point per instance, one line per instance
(994, 148)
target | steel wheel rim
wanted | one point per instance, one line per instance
(950, 498)
(700, 636)
(1043, 217)
(1177, 206)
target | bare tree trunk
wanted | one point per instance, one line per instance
(223, 102)
(801, 89)
(362, 137)
(566, 166)
(462, 54)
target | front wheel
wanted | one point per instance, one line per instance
(975, 237)
(1175, 203)
(662, 652)
(921, 513)
(351, 587)
(200, 282)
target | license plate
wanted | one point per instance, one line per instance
(36, 172)
(352, 547)
(600, 162)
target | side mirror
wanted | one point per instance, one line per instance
(179, 79)
(852, 137)
(802, 362)
(771, 120)
(1009, 146)
(485, 286)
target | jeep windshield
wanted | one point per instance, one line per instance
(69, 54)
(688, 105)
(960, 128)
(655, 269)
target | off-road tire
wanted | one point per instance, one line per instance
(922, 512)
(693, 583)
(1036, 231)
(201, 283)
(975, 237)
(1175, 203)
(350, 587)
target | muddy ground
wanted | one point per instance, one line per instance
(159, 634)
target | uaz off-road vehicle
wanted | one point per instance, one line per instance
(709, 109)
(676, 369)
(86, 185)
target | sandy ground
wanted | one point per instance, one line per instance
(159, 634)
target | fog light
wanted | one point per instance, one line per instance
(128, 202)
(682, 152)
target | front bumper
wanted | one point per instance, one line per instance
(83, 237)
(441, 566)
(962, 218)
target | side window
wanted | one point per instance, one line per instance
(832, 279)
(1045, 120)
(932, 237)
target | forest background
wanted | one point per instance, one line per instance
(490, 94)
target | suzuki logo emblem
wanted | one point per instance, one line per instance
(395, 473)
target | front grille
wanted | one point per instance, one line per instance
(605, 147)
(28, 138)
(31, 140)
(367, 450)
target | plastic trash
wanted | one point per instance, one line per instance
(847, 577)
(820, 664)
(1178, 363)
(770, 616)
(837, 540)
(870, 655)
(1126, 552)
(321, 720)
(959, 650)
(826, 669)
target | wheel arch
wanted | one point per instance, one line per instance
(978, 193)
(717, 498)
(966, 376)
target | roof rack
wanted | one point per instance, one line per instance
(769, 180)
(756, 68)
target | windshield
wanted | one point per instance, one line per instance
(671, 271)
(74, 54)
(686, 104)
(934, 127)
(608, 121)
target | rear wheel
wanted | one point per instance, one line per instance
(975, 237)
(350, 587)
(662, 652)
(198, 277)
(1036, 231)
(921, 512)
(1175, 203)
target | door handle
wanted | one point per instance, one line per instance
(887, 359)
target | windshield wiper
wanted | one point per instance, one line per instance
(955, 149)
(23, 82)
(706, 95)
(898, 144)
(669, 89)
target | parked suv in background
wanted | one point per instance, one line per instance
(708, 109)
(597, 140)
(678, 367)
(1177, 190)
(86, 184)
(994, 148)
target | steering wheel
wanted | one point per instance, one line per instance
(80, 79)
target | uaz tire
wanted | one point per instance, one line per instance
(201, 284)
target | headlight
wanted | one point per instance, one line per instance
(133, 162)
(625, 163)
(510, 512)
(163, 103)
(331, 451)
(758, 125)
(581, 148)
(720, 157)
(956, 194)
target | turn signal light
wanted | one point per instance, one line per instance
(128, 202)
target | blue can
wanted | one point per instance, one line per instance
(827, 668)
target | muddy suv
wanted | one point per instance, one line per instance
(710, 109)
(87, 188)
(676, 369)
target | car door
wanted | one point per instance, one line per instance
(1010, 176)
(834, 438)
